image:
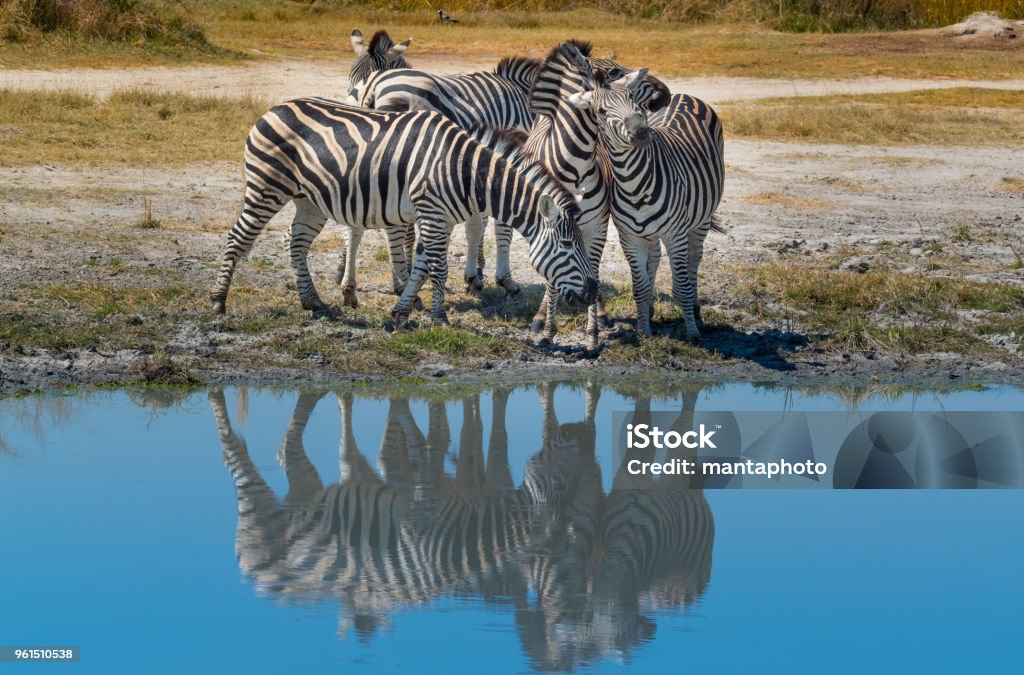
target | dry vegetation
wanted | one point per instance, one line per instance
(148, 129)
(704, 37)
(961, 116)
(133, 127)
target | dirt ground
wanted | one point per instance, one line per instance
(852, 207)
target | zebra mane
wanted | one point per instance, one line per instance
(509, 145)
(583, 46)
(547, 92)
(380, 42)
(519, 69)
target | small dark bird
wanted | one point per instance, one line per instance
(445, 18)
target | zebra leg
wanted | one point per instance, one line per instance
(347, 268)
(309, 220)
(258, 207)
(481, 260)
(503, 266)
(653, 262)
(595, 238)
(637, 251)
(400, 258)
(550, 304)
(473, 271)
(683, 292)
(431, 258)
(696, 246)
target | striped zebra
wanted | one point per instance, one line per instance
(378, 542)
(380, 54)
(473, 100)
(370, 170)
(408, 532)
(566, 140)
(668, 172)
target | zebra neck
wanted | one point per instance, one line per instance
(633, 168)
(510, 198)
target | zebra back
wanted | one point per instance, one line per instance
(469, 99)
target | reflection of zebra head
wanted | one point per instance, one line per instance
(381, 54)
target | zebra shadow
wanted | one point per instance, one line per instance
(584, 572)
(766, 348)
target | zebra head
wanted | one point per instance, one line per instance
(557, 250)
(620, 115)
(569, 69)
(381, 54)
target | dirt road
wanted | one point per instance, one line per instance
(281, 79)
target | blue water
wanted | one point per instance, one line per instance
(120, 524)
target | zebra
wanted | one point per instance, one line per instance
(497, 99)
(566, 140)
(669, 172)
(380, 54)
(378, 541)
(408, 532)
(369, 169)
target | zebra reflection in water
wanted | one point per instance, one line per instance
(582, 569)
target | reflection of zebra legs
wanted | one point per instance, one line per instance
(303, 480)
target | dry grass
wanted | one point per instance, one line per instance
(883, 308)
(738, 44)
(961, 116)
(787, 201)
(134, 127)
(1011, 184)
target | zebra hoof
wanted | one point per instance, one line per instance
(348, 297)
(603, 321)
(696, 314)
(322, 312)
(220, 307)
(536, 326)
(417, 304)
(401, 318)
(545, 342)
(474, 285)
(441, 321)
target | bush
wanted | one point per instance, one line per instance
(111, 20)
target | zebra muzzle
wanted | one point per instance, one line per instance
(587, 297)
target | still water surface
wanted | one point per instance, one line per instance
(279, 531)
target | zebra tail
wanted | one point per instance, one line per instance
(716, 225)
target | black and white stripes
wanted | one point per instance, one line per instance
(368, 169)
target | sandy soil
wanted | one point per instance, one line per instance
(278, 80)
(781, 200)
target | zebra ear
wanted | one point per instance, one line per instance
(573, 55)
(634, 79)
(581, 99)
(358, 45)
(612, 56)
(399, 49)
(548, 208)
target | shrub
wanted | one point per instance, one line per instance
(111, 20)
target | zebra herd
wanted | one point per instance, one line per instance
(553, 148)
(411, 529)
